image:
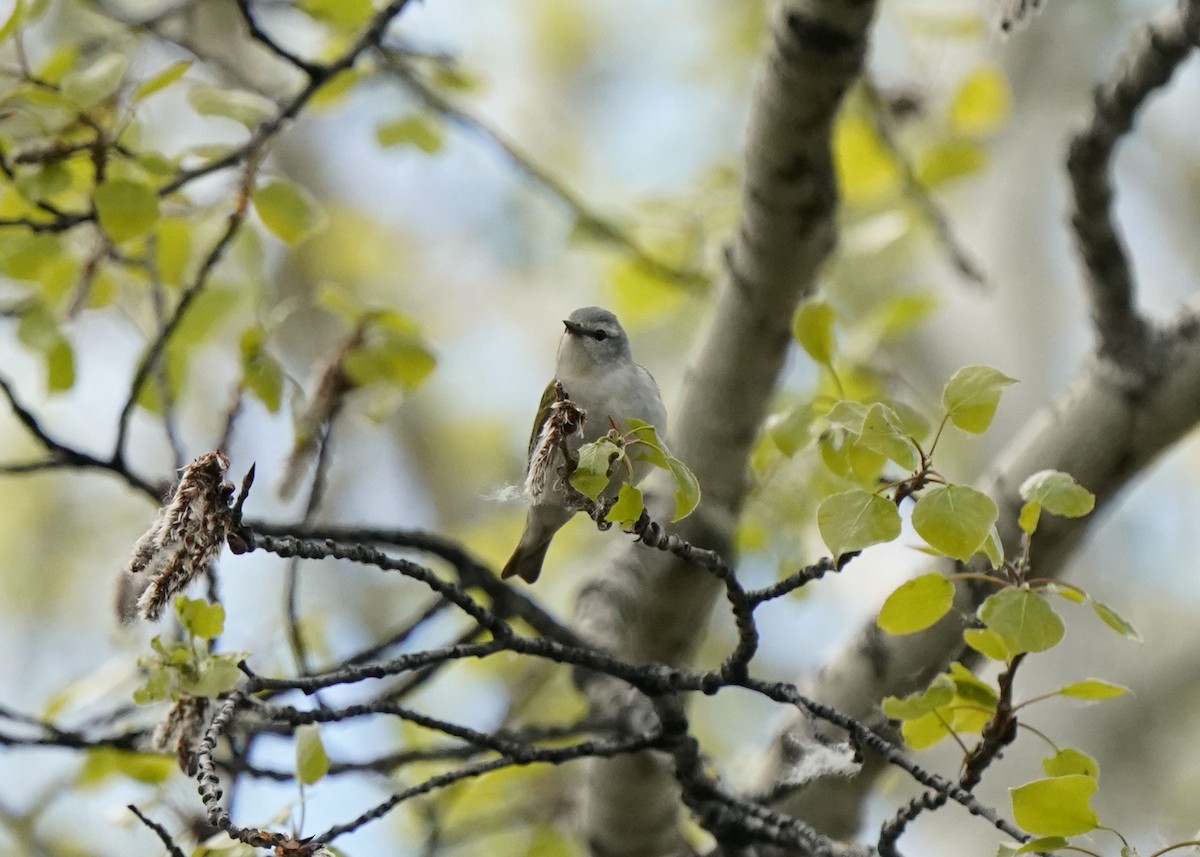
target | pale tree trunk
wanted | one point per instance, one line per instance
(649, 607)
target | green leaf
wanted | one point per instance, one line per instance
(595, 459)
(1057, 806)
(988, 643)
(1070, 593)
(954, 519)
(970, 397)
(417, 130)
(96, 82)
(1023, 618)
(1056, 492)
(162, 80)
(628, 507)
(856, 519)
(939, 693)
(172, 249)
(1068, 761)
(13, 21)
(993, 548)
(60, 367)
(883, 432)
(790, 431)
(100, 763)
(982, 103)
(218, 674)
(390, 358)
(1112, 619)
(970, 688)
(848, 415)
(917, 604)
(1093, 688)
(247, 108)
(1043, 843)
(155, 688)
(646, 445)
(200, 618)
(261, 373)
(687, 489)
(345, 14)
(287, 210)
(925, 731)
(812, 327)
(951, 159)
(312, 762)
(125, 208)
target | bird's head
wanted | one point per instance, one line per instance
(593, 339)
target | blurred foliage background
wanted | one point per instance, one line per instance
(509, 162)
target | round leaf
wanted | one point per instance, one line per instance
(856, 519)
(954, 519)
(312, 762)
(126, 208)
(1068, 761)
(988, 643)
(1057, 806)
(1056, 492)
(939, 693)
(416, 130)
(1023, 618)
(916, 604)
(591, 473)
(883, 432)
(813, 328)
(628, 507)
(286, 210)
(96, 81)
(970, 397)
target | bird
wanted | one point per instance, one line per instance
(594, 372)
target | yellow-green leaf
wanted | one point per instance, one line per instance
(415, 130)
(1118, 623)
(1067, 761)
(595, 460)
(286, 210)
(161, 80)
(13, 21)
(856, 519)
(954, 519)
(1056, 492)
(939, 693)
(883, 432)
(866, 171)
(988, 643)
(261, 373)
(246, 108)
(1093, 688)
(94, 83)
(125, 208)
(345, 14)
(971, 395)
(943, 162)
(687, 488)
(312, 762)
(100, 763)
(812, 327)
(1023, 618)
(916, 604)
(628, 507)
(983, 102)
(1057, 806)
(199, 617)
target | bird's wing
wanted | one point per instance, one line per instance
(543, 414)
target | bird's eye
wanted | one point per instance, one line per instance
(600, 335)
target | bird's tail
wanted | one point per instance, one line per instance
(526, 561)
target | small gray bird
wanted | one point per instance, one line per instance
(595, 370)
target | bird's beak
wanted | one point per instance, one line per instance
(572, 327)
